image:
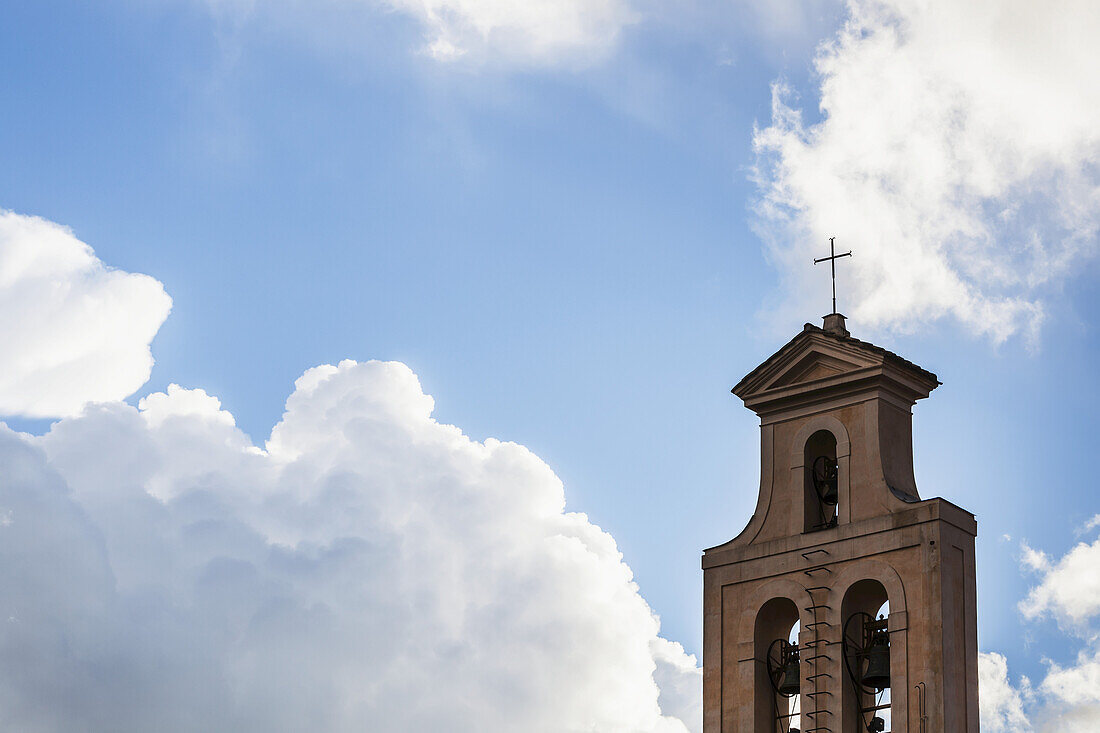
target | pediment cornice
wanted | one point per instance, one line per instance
(817, 362)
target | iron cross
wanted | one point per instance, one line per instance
(832, 258)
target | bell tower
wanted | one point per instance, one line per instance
(847, 604)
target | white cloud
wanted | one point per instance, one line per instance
(1073, 694)
(1070, 587)
(1068, 698)
(179, 402)
(1002, 705)
(540, 32)
(1033, 559)
(680, 679)
(371, 570)
(957, 156)
(74, 330)
(510, 33)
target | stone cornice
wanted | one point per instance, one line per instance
(929, 510)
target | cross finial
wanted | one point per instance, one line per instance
(832, 258)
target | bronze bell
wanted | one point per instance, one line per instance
(877, 725)
(825, 480)
(789, 682)
(877, 674)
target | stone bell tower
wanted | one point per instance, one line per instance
(847, 605)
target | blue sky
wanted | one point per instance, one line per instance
(572, 249)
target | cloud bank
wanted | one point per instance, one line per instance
(957, 154)
(74, 330)
(368, 568)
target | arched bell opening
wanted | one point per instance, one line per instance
(865, 650)
(778, 669)
(822, 482)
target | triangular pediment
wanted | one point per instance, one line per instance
(816, 356)
(813, 365)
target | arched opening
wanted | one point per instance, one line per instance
(822, 482)
(777, 681)
(865, 692)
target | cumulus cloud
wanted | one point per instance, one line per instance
(1073, 694)
(1067, 592)
(179, 402)
(1070, 587)
(956, 154)
(1002, 704)
(680, 680)
(74, 330)
(367, 568)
